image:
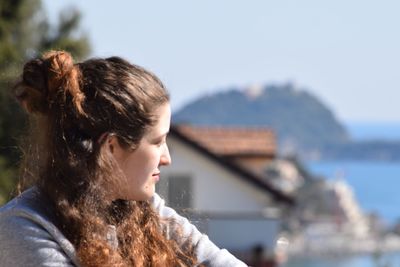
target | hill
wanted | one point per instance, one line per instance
(302, 122)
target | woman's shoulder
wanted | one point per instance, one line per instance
(28, 236)
(30, 205)
(26, 201)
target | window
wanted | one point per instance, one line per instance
(180, 192)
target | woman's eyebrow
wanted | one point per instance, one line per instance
(162, 135)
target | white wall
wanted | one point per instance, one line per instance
(215, 189)
(242, 234)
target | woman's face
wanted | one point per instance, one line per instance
(142, 165)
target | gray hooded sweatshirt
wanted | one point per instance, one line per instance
(29, 237)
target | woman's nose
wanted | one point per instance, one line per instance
(165, 156)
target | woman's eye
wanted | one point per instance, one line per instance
(160, 143)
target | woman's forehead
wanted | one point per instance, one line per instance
(162, 125)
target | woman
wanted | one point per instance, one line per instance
(99, 133)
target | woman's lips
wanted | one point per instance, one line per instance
(156, 176)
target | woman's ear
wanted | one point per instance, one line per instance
(111, 140)
(115, 148)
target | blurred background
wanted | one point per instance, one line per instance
(287, 109)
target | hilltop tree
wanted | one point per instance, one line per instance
(25, 32)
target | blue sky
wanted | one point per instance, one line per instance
(345, 52)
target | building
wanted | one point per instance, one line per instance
(216, 180)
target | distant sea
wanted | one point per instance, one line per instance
(376, 186)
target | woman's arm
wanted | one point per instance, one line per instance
(207, 252)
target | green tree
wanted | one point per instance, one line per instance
(25, 32)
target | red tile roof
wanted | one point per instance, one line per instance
(186, 134)
(231, 141)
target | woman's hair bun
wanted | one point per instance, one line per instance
(47, 81)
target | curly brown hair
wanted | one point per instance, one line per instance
(73, 105)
